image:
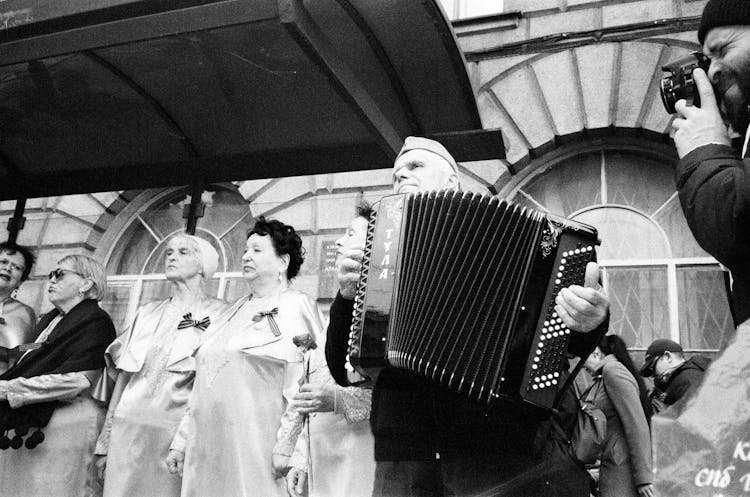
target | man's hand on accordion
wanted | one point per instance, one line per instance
(348, 272)
(583, 308)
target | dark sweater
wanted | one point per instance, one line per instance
(714, 187)
(685, 378)
(414, 419)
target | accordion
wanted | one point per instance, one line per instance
(460, 288)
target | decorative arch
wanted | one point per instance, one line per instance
(549, 99)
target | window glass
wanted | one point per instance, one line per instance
(638, 304)
(705, 320)
(673, 222)
(622, 168)
(569, 186)
(625, 234)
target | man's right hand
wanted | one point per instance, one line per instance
(697, 126)
(348, 272)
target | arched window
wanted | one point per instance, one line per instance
(135, 261)
(660, 282)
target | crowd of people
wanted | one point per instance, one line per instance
(199, 397)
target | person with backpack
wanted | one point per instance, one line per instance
(620, 393)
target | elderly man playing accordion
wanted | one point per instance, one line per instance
(431, 441)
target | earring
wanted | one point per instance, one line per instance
(281, 278)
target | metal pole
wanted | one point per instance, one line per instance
(196, 207)
(17, 222)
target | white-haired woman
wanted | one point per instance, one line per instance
(154, 370)
(47, 410)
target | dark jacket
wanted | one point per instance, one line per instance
(684, 379)
(714, 187)
(414, 419)
(77, 343)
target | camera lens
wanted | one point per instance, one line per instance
(679, 84)
(667, 95)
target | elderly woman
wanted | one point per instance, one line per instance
(155, 371)
(334, 454)
(17, 320)
(50, 389)
(247, 371)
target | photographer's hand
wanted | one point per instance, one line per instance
(698, 126)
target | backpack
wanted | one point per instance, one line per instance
(590, 431)
(585, 441)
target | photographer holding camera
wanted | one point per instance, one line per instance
(713, 180)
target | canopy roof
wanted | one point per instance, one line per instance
(104, 95)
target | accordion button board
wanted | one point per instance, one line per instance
(550, 343)
(460, 288)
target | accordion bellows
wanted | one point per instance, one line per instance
(459, 287)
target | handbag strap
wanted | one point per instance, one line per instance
(583, 396)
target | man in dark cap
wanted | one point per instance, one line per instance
(674, 376)
(712, 177)
(432, 442)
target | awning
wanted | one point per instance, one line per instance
(105, 95)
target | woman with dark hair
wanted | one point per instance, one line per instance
(619, 392)
(247, 371)
(17, 320)
(48, 396)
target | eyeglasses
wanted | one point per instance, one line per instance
(653, 362)
(12, 265)
(59, 273)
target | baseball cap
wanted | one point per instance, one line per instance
(656, 350)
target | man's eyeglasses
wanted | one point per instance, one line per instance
(59, 273)
(12, 265)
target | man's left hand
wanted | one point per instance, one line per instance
(583, 308)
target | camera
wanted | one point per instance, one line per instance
(679, 83)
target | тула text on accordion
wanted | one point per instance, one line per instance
(460, 288)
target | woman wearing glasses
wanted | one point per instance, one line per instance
(17, 320)
(47, 410)
(154, 370)
(247, 371)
